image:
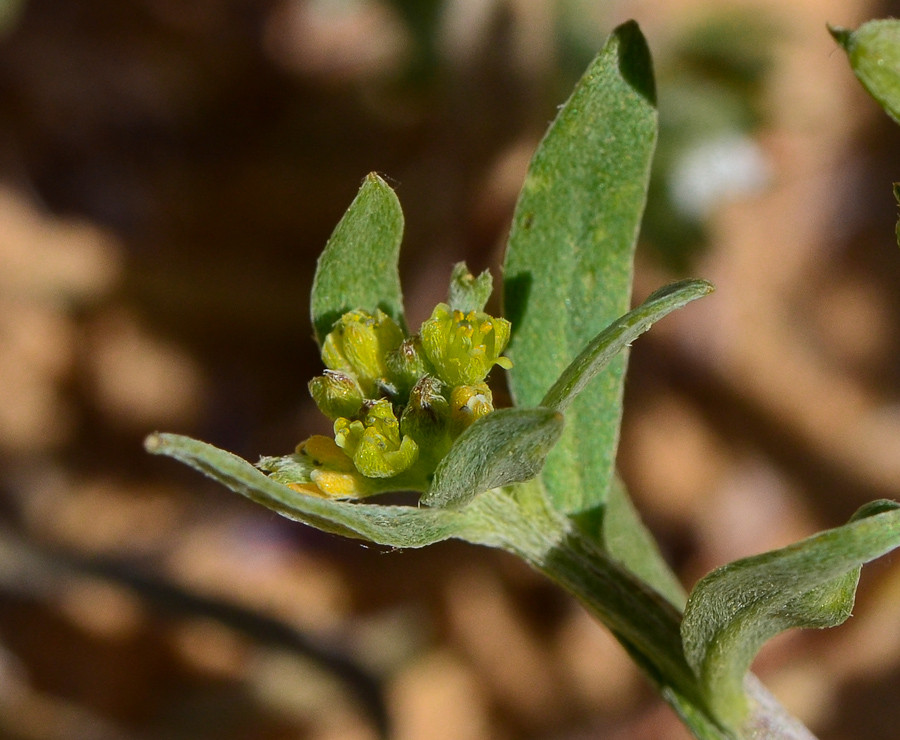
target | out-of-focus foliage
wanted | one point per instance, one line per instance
(711, 81)
(10, 10)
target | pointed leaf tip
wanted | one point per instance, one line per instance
(841, 35)
(358, 267)
(568, 267)
(873, 50)
(635, 62)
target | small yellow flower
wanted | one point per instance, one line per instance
(323, 452)
(433, 381)
(377, 448)
(464, 347)
(358, 346)
(469, 403)
(331, 473)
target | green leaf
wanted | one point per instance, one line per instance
(734, 610)
(506, 446)
(628, 541)
(874, 53)
(619, 335)
(568, 268)
(396, 526)
(358, 268)
(467, 292)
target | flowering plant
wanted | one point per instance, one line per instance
(413, 411)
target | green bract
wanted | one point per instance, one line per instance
(336, 394)
(406, 365)
(426, 419)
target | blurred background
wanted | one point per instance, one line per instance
(169, 172)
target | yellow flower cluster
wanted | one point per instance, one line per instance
(398, 403)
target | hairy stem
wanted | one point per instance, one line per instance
(645, 623)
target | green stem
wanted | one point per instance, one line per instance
(648, 626)
(640, 618)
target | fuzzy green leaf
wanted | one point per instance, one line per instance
(734, 610)
(358, 268)
(874, 53)
(628, 541)
(467, 292)
(617, 336)
(506, 446)
(396, 526)
(568, 268)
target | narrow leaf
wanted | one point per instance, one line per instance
(619, 335)
(734, 610)
(506, 446)
(874, 53)
(396, 526)
(358, 268)
(467, 292)
(629, 542)
(568, 267)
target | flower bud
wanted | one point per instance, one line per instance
(469, 403)
(331, 473)
(426, 419)
(464, 347)
(406, 365)
(375, 444)
(336, 394)
(358, 346)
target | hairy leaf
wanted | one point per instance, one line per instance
(874, 53)
(358, 269)
(617, 336)
(506, 446)
(628, 541)
(397, 526)
(734, 610)
(568, 266)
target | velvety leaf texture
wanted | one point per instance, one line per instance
(629, 542)
(617, 336)
(734, 610)
(396, 526)
(568, 267)
(358, 268)
(507, 446)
